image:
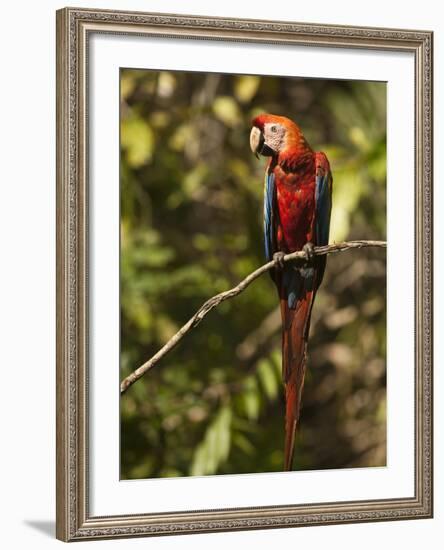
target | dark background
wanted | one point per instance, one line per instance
(191, 226)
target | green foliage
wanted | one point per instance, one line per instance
(191, 209)
(215, 446)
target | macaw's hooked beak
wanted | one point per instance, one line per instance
(256, 141)
(258, 145)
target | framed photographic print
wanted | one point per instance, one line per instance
(244, 274)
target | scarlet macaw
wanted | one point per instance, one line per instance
(297, 207)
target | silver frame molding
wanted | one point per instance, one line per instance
(74, 521)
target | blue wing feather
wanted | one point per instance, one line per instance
(269, 225)
(323, 207)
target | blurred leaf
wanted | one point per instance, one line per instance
(181, 135)
(346, 195)
(137, 141)
(215, 447)
(359, 138)
(244, 444)
(127, 84)
(166, 84)
(251, 398)
(194, 179)
(227, 110)
(245, 87)
(267, 376)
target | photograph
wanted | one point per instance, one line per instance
(244, 274)
(219, 309)
(221, 174)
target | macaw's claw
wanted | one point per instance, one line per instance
(278, 257)
(308, 248)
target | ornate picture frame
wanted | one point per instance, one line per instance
(74, 518)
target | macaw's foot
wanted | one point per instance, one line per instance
(278, 257)
(308, 248)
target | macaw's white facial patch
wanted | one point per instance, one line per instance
(274, 135)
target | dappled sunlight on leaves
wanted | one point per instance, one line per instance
(191, 226)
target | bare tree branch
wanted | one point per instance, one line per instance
(216, 300)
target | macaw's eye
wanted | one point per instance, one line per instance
(273, 129)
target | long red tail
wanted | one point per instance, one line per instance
(295, 327)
